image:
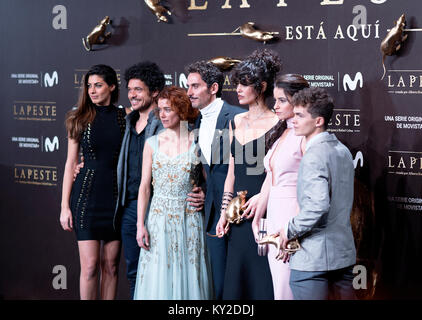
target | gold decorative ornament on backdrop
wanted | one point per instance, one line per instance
(247, 30)
(158, 10)
(224, 63)
(393, 41)
(98, 35)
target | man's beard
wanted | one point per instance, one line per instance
(144, 107)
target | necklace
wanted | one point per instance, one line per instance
(247, 121)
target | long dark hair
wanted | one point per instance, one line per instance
(290, 83)
(78, 119)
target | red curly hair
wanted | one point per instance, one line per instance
(179, 102)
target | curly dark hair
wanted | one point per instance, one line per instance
(209, 73)
(290, 83)
(260, 66)
(149, 73)
(317, 101)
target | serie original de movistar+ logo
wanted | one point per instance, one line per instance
(44, 79)
(43, 144)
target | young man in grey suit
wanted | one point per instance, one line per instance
(322, 268)
(205, 84)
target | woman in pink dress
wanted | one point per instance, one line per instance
(278, 192)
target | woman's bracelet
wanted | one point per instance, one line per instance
(227, 197)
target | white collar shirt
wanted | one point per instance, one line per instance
(207, 127)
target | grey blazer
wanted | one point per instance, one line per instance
(325, 197)
(153, 127)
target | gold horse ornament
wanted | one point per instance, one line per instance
(234, 210)
(249, 30)
(392, 42)
(158, 10)
(224, 63)
(292, 246)
(97, 35)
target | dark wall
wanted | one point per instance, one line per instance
(387, 214)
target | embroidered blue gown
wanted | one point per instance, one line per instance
(176, 266)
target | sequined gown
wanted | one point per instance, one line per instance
(93, 196)
(176, 266)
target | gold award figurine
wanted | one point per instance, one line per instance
(248, 30)
(292, 246)
(234, 210)
(224, 63)
(158, 10)
(392, 42)
(97, 35)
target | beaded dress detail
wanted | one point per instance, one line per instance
(94, 192)
(176, 266)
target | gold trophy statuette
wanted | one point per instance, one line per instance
(392, 42)
(97, 35)
(234, 210)
(224, 63)
(274, 239)
(158, 10)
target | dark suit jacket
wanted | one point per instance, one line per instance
(216, 171)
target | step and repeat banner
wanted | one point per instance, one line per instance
(48, 45)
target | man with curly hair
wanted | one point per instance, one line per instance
(144, 82)
(205, 84)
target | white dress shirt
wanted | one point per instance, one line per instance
(207, 126)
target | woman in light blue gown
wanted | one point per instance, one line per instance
(173, 263)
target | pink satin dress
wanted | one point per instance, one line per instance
(283, 167)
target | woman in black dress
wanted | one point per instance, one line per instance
(96, 128)
(248, 275)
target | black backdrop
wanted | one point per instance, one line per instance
(42, 61)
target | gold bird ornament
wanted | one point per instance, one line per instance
(393, 41)
(224, 63)
(98, 35)
(234, 210)
(292, 246)
(158, 10)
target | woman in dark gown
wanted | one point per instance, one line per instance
(96, 128)
(248, 274)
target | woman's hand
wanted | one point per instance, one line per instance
(142, 237)
(255, 228)
(66, 220)
(220, 230)
(250, 207)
